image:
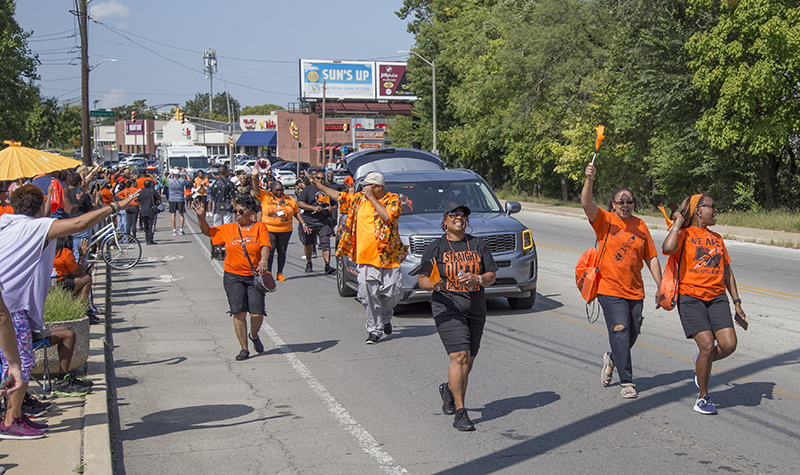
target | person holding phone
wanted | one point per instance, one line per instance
(625, 244)
(704, 275)
(458, 302)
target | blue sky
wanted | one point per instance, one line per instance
(159, 44)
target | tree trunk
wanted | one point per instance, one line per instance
(564, 196)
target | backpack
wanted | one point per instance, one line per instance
(587, 271)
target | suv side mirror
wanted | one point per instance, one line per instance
(513, 207)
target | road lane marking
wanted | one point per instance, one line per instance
(667, 353)
(767, 290)
(364, 439)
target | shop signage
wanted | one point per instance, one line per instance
(337, 127)
(369, 146)
(135, 127)
(369, 134)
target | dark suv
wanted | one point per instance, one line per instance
(424, 186)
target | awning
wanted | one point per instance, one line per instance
(267, 138)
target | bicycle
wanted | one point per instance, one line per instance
(120, 251)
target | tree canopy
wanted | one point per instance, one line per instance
(697, 96)
(198, 107)
(263, 109)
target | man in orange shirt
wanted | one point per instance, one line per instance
(132, 212)
(200, 186)
(370, 238)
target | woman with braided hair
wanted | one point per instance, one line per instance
(704, 275)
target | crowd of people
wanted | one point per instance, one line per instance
(45, 226)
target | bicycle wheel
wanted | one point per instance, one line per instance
(121, 251)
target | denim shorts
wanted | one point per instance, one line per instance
(701, 315)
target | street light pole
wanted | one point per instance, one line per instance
(432, 64)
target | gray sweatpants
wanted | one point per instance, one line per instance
(379, 289)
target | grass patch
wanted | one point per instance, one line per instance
(61, 306)
(777, 219)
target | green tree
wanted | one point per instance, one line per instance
(748, 67)
(41, 123)
(68, 125)
(198, 107)
(18, 94)
(264, 109)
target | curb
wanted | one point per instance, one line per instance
(96, 433)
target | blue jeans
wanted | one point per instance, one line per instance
(122, 221)
(620, 311)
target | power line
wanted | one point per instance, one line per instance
(52, 34)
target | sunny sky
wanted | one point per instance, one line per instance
(159, 45)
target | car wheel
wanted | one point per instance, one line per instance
(341, 279)
(523, 303)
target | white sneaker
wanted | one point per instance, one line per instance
(174, 232)
(181, 232)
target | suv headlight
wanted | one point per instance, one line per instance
(527, 241)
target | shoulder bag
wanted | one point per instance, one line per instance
(668, 290)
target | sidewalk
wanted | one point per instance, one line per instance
(79, 439)
(760, 236)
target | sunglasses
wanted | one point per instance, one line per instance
(707, 205)
(453, 214)
(624, 202)
(239, 211)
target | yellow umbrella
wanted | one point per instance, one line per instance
(23, 162)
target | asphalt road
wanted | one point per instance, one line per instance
(320, 401)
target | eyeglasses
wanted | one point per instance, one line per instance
(624, 202)
(453, 214)
(240, 211)
(707, 205)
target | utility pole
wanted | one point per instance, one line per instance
(210, 67)
(86, 149)
(324, 152)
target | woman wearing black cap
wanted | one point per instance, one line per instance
(458, 302)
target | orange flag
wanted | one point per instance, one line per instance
(435, 278)
(599, 139)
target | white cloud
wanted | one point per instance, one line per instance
(113, 98)
(110, 9)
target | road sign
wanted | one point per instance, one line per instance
(101, 113)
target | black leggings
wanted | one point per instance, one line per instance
(279, 242)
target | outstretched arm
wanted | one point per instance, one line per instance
(589, 207)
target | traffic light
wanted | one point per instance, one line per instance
(177, 113)
(133, 116)
(231, 142)
(295, 130)
(183, 117)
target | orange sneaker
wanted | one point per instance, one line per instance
(281, 277)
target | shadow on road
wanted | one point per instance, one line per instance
(314, 347)
(190, 418)
(504, 407)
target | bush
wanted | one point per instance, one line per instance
(62, 306)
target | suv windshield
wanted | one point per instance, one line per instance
(431, 196)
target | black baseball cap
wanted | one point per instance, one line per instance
(454, 205)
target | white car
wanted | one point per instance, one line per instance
(287, 178)
(246, 166)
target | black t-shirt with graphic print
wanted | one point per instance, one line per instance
(471, 254)
(314, 197)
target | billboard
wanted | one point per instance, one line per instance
(343, 79)
(392, 82)
(134, 127)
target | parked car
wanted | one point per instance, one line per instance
(292, 166)
(246, 166)
(339, 176)
(287, 178)
(217, 160)
(424, 186)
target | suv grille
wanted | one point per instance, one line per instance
(497, 243)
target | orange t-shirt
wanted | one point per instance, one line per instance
(64, 263)
(126, 193)
(254, 239)
(277, 214)
(703, 261)
(140, 181)
(107, 195)
(628, 244)
(366, 251)
(6, 209)
(201, 185)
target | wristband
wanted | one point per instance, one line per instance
(480, 280)
(114, 207)
(735, 301)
